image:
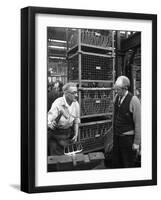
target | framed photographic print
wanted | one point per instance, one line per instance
(88, 99)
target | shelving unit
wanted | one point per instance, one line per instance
(91, 64)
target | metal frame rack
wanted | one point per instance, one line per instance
(91, 62)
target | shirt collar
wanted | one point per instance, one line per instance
(124, 96)
(65, 102)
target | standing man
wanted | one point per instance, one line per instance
(63, 120)
(127, 125)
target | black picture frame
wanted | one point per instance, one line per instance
(28, 91)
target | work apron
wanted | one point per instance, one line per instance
(58, 139)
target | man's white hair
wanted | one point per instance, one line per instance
(122, 82)
(68, 85)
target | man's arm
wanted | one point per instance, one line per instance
(76, 122)
(52, 115)
(135, 108)
(76, 129)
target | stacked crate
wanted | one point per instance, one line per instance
(91, 65)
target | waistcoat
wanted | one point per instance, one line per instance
(123, 118)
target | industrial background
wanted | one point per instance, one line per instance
(93, 59)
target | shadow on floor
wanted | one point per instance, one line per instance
(15, 186)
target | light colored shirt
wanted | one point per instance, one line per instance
(135, 108)
(70, 116)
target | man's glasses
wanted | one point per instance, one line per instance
(119, 88)
(73, 93)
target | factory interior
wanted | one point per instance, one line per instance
(93, 59)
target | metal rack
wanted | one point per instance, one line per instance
(91, 61)
(96, 101)
(92, 135)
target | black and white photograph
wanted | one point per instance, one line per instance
(89, 91)
(93, 99)
(80, 100)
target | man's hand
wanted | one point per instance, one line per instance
(76, 127)
(75, 138)
(136, 147)
(52, 125)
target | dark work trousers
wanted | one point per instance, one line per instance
(58, 139)
(123, 156)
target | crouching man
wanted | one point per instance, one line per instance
(63, 120)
